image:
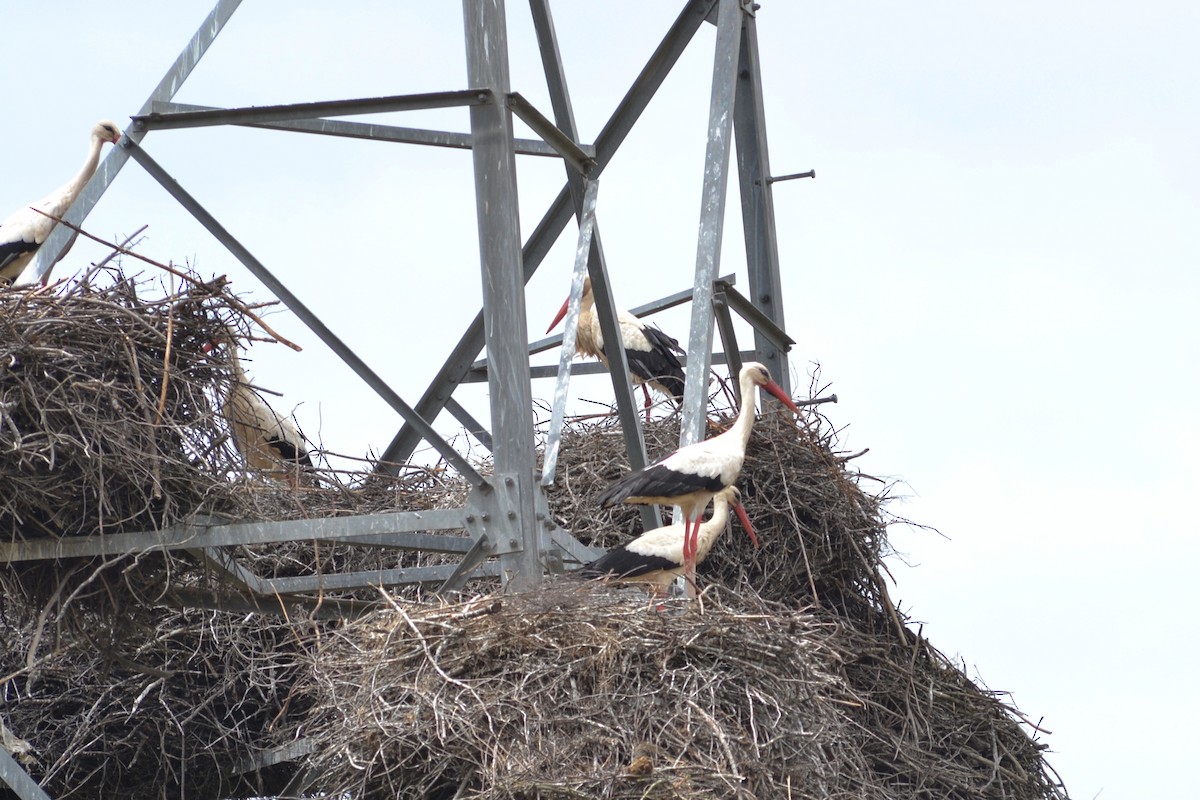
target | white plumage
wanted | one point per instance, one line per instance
(652, 355)
(24, 231)
(657, 556)
(691, 476)
(270, 443)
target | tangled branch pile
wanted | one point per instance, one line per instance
(106, 407)
(799, 679)
(109, 423)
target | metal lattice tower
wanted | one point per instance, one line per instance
(511, 533)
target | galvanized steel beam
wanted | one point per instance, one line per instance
(381, 133)
(401, 526)
(712, 219)
(60, 238)
(758, 205)
(159, 121)
(606, 311)
(16, 778)
(505, 331)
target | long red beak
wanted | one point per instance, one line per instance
(562, 312)
(777, 390)
(745, 520)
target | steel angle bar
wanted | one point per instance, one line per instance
(728, 337)
(571, 152)
(61, 237)
(14, 776)
(474, 558)
(554, 220)
(593, 368)
(314, 323)
(502, 275)
(764, 327)
(381, 133)
(473, 426)
(570, 329)
(610, 329)
(228, 568)
(417, 542)
(712, 217)
(758, 206)
(157, 120)
(577, 551)
(275, 755)
(341, 581)
(332, 608)
(187, 536)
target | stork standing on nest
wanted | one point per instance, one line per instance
(653, 356)
(691, 476)
(24, 231)
(656, 557)
(269, 442)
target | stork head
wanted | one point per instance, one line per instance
(106, 131)
(562, 312)
(757, 374)
(732, 497)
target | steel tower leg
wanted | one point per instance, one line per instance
(712, 219)
(503, 294)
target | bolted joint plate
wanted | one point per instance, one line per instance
(492, 511)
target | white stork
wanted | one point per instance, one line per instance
(270, 443)
(652, 354)
(693, 475)
(656, 557)
(23, 231)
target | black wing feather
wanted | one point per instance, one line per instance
(657, 481)
(659, 364)
(622, 563)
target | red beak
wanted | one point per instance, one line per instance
(208, 347)
(777, 390)
(745, 520)
(562, 312)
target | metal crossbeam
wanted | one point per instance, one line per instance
(157, 121)
(401, 527)
(380, 133)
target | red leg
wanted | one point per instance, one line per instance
(690, 530)
(646, 393)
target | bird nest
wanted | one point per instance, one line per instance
(797, 678)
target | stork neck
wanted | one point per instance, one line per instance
(745, 420)
(710, 530)
(72, 189)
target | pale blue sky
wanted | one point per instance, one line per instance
(996, 269)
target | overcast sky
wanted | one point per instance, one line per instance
(996, 270)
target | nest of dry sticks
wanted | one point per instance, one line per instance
(799, 679)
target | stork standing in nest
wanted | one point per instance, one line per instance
(691, 476)
(270, 443)
(24, 231)
(657, 556)
(653, 356)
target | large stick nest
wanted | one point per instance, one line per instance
(799, 678)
